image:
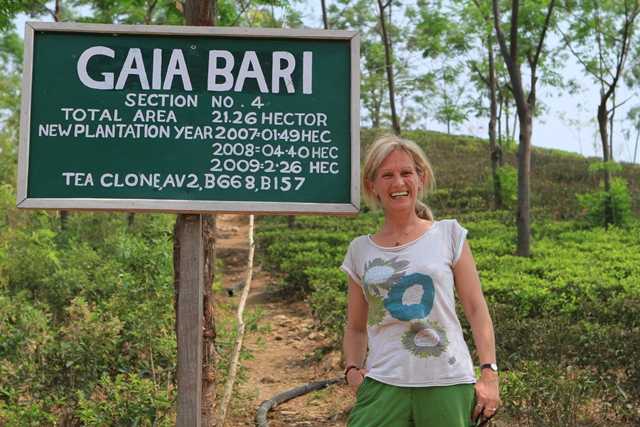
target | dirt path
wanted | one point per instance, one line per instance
(294, 352)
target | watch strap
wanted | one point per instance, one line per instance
(491, 366)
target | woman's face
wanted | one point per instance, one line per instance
(397, 182)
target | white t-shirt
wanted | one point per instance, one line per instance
(415, 337)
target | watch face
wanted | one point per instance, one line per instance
(494, 366)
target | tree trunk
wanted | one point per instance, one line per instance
(604, 138)
(523, 209)
(496, 150)
(203, 13)
(507, 142)
(64, 216)
(209, 372)
(376, 116)
(609, 214)
(56, 14)
(389, 65)
(635, 151)
(325, 19)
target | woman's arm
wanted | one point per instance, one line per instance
(475, 309)
(355, 335)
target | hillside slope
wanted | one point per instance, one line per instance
(463, 176)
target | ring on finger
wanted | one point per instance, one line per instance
(491, 409)
(479, 406)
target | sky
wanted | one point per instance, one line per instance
(568, 125)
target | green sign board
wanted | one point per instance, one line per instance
(189, 119)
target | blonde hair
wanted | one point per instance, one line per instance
(378, 151)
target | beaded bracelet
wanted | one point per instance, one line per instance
(350, 367)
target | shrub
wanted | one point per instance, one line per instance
(508, 176)
(125, 401)
(607, 207)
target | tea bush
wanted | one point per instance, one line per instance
(607, 207)
(126, 402)
(87, 321)
(567, 320)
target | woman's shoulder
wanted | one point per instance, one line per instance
(360, 240)
(450, 227)
(448, 223)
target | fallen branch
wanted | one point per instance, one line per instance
(261, 418)
(222, 412)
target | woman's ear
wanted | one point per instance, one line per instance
(369, 183)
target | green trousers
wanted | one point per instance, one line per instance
(383, 405)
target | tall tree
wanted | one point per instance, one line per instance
(388, 51)
(600, 36)
(451, 89)
(59, 11)
(441, 38)
(525, 104)
(11, 48)
(380, 40)
(484, 68)
(634, 116)
(373, 92)
(360, 15)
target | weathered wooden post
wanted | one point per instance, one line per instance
(189, 306)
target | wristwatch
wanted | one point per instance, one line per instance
(491, 366)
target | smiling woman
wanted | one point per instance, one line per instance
(401, 305)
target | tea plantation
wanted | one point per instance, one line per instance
(87, 321)
(567, 320)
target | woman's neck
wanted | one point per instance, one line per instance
(400, 221)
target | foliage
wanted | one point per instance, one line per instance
(86, 315)
(127, 402)
(25, 413)
(226, 327)
(9, 9)
(508, 176)
(133, 12)
(600, 204)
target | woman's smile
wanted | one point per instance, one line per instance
(400, 194)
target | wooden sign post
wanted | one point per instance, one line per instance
(189, 120)
(189, 321)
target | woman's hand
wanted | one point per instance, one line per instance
(355, 377)
(488, 395)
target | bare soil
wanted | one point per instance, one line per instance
(294, 352)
